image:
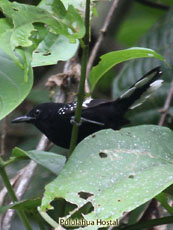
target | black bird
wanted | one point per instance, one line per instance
(55, 119)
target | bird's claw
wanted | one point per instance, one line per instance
(72, 121)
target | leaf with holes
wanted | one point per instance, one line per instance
(113, 58)
(24, 16)
(120, 171)
(14, 86)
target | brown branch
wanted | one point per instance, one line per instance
(164, 111)
(3, 136)
(101, 35)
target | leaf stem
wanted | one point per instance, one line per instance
(81, 92)
(12, 195)
(149, 224)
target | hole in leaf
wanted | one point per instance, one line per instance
(87, 208)
(118, 200)
(59, 211)
(15, 9)
(103, 155)
(93, 135)
(85, 195)
(131, 176)
(47, 54)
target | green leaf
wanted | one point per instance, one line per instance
(111, 59)
(51, 161)
(14, 86)
(136, 214)
(163, 199)
(140, 18)
(25, 205)
(119, 171)
(17, 152)
(52, 49)
(78, 4)
(5, 40)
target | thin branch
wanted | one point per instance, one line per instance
(154, 4)
(166, 106)
(13, 197)
(101, 35)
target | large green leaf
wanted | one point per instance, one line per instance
(111, 59)
(14, 86)
(120, 171)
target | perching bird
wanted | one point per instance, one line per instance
(55, 119)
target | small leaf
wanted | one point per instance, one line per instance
(163, 199)
(17, 152)
(25, 205)
(111, 59)
(51, 161)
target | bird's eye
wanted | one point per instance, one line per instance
(37, 112)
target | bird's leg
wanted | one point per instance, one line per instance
(85, 120)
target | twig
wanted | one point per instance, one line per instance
(153, 4)
(3, 136)
(166, 106)
(101, 36)
(13, 197)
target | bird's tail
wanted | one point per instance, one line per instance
(140, 91)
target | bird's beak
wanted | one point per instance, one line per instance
(23, 119)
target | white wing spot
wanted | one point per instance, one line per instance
(68, 107)
(86, 102)
(156, 84)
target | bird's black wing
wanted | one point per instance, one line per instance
(69, 109)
